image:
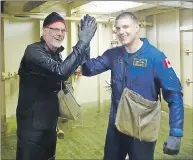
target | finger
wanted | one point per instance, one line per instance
(82, 23)
(86, 19)
(79, 28)
(91, 21)
(83, 20)
(93, 18)
(165, 150)
(92, 24)
(94, 30)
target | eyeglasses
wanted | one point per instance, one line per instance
(57, 30)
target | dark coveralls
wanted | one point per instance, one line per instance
(41, 71)
(145, 74)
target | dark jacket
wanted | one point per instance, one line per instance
(41, 71)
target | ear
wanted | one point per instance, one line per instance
(44, 31)
(137, 27)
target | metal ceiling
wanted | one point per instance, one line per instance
(31, 7)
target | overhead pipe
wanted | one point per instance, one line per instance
(41, 17)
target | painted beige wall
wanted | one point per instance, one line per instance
(86, 89)
(17, 35)
(105, 35)
(93, 89)
(169, 38)
(141, 17)
(166, 35)
(186, 19)
(3, 108)
(152, 31)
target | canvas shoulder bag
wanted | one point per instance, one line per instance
(137, 116)
(68, 106)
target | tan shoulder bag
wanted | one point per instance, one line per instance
(138, 117)
(68, 106)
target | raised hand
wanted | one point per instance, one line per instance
(87, 28)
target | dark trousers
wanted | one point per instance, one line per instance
(118, 145)
(36, 145)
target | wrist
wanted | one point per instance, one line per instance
(80, 46)
(84, 42)
(176, 132)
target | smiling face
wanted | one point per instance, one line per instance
(127, 30)
(54, 35)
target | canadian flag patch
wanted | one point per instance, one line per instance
(167, 63)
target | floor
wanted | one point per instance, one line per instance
(84, 139)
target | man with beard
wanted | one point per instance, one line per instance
(138, 72)
(41, 73)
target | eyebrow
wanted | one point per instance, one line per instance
(126, 25)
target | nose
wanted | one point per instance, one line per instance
(121, 31)
(60, 32)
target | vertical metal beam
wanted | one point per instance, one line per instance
(68, 24)
(155, 29)
(98, 76)
(178, 40)
(3, 106)
(69, 35)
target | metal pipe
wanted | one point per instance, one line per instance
(41, 17)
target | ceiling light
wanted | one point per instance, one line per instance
(105, 7)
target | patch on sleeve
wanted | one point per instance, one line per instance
(167, 63)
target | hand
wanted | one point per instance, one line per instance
(87, 28)
(172, 145)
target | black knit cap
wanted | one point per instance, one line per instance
(52, 18)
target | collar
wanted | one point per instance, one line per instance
(141, 51)
(47, 48)
(143, 48)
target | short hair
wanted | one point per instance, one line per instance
(126, 15)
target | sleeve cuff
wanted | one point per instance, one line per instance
(176, 132)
